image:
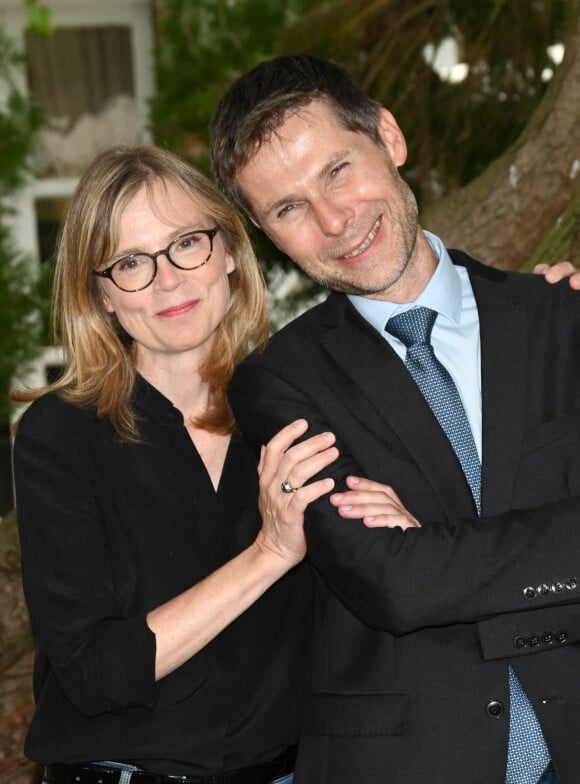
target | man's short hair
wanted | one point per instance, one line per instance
(260, 100)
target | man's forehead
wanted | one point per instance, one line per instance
(272, 132)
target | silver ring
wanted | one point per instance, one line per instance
(286, 487)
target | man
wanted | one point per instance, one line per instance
(428, 636)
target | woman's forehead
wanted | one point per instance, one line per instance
(163, 201)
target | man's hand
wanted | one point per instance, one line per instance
(378, 505)
(556, 272)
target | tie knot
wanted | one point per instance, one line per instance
(413, 326)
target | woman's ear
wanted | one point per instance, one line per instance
(107, 302)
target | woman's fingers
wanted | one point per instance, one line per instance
(272, 453)
(298, 468)
(295, 464)
(556, 272)
(284, 469)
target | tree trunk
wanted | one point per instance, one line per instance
(502, 216)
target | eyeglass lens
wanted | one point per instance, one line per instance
(186, 252)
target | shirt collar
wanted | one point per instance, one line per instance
(442, 293)
(149, 400)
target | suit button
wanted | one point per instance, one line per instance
(534, 639)
(529, 592)
(543, 589)
(562, 636)
(494, 709)
(519, 642)
(571, 583)
(548, 638)
(559, 586)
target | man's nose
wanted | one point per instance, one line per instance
(332, 216)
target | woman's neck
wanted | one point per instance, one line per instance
(182, 384)
(190, 394)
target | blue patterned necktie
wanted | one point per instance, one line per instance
(527, 753)
(413, 329)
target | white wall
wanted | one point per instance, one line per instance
(135, 14)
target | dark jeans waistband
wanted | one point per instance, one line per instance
(86, 773)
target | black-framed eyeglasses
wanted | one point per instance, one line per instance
(138, 270)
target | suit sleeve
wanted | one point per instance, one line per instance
(516, 564)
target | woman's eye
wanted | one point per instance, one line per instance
(131, 263)
(185, 243)
(125, 265)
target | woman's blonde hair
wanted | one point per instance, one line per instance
(99, 355)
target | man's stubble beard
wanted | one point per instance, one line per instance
(405, 241)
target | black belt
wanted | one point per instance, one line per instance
(86, 773)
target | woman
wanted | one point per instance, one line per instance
(143, 550)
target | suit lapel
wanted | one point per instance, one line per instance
(376, 370)
(378, 373)
(504, 359)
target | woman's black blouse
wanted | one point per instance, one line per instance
(110, 530)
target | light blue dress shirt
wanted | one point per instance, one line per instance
(455, 336)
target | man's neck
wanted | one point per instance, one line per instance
(419, 271)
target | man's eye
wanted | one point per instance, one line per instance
(285, 210)
(338, 169)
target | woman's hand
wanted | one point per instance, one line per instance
(281, 463)
(556, 272)
(378, 505)
(186, 623)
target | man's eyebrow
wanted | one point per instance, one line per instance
(290, 198)
(323, 175)
(338, 157)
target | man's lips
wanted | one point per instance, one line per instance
(178, 310)
(364, 245)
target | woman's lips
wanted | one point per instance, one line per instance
(178, 310)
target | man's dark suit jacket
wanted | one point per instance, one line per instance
(417, 628)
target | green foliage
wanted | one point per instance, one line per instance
(22, 307)
(19, 120)
(23, 316)
(39, 20)
(202, 46)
